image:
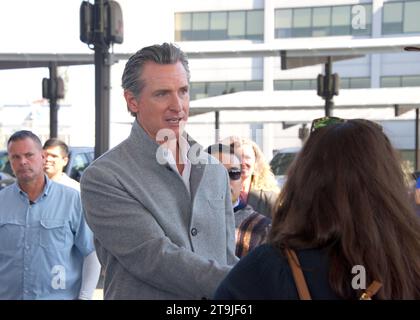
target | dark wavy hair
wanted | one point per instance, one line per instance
(345, 193)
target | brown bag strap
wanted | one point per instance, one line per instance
(298, 276)
(371, 290)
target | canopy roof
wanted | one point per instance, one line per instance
(403, 98)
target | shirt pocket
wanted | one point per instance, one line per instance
(52, 234)
(11, 236)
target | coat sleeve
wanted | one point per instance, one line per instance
(230, 227)
(130, 233)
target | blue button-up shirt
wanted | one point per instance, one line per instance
(43, 244)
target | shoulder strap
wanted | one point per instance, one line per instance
(371, 290)
(298, 276)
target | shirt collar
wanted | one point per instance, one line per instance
(184, 147)
(44, 193)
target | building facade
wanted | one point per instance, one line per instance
(217, 24)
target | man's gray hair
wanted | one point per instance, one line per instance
(167, 53)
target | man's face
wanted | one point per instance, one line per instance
(55, 161)
(27, 160)
(164, 100)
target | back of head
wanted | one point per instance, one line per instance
(25, 134)
(167, 53)
(345, 191)
(54, 142)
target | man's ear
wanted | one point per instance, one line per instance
(66, 160)
(132, 102)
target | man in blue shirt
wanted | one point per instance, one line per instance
(46, 247)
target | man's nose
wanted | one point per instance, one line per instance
(176, 104)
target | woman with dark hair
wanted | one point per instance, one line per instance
(345, 211)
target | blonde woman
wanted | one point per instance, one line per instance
(259, 187)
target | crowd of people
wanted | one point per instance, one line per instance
(166, 218)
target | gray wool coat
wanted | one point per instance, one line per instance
(154, 239)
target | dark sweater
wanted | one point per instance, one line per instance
(265, 274)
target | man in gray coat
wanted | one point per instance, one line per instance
(159, 206)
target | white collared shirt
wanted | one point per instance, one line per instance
(184, 147)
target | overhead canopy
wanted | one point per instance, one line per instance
(298, 53)
(294, 52)
(38, 60)
(308, 100)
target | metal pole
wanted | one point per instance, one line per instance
(327, 87)
(53, 100)
(217, 125)
(102, 82)
(416, 141)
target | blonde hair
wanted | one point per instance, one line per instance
(262, 177)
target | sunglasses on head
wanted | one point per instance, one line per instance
(327, 121)
(234, 173)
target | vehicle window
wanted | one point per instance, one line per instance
(281, 162)
(80, 163)
(5, 164)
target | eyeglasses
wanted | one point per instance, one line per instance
(325, 122)
(234, 173)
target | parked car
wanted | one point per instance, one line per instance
(79, 159)
(281, 162)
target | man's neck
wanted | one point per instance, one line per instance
(33, 188)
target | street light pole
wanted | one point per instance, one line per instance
(102, 81)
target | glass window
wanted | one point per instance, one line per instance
(200, 26)
(340, 21)
(80, 163)
(344, 83)
(390, 81)
(304, 84)
(302, 22)
(235, 86)
(253, 85)
(218, 26)
(392, 18)
(359, 83)
(236, 25)
(183, 26)
(197, 90)
(411, 81)
(255, 25)
(282, 85)
(321, 21)
(412, 17)
(216, 88)
(283, 23)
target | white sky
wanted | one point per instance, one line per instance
(52, 26)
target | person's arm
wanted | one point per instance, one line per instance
(90, 276)
(130, 233)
